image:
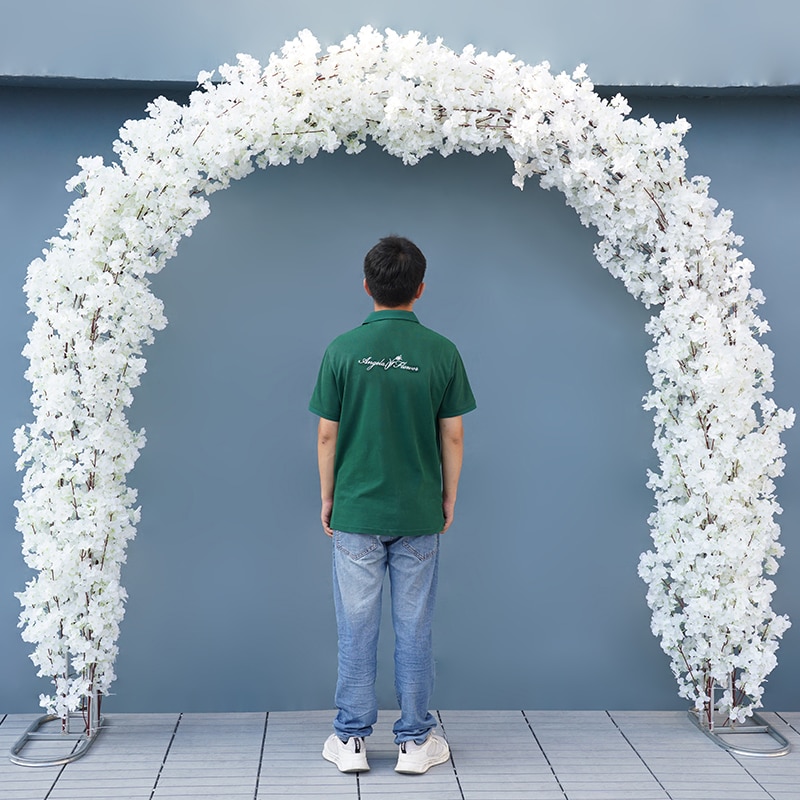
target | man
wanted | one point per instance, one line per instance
(390, 395)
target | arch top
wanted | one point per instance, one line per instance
(717, 430)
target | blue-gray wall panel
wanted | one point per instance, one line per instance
(540, 605)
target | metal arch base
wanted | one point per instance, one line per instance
(757, 725)
(82, 741)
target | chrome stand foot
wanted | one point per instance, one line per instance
(81, 741)
(756, 724)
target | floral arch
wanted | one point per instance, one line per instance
(717, 432)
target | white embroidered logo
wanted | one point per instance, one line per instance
(387, 363)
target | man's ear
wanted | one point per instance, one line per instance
(420, 290)
(366, 288)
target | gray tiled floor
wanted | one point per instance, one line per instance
(497, 755)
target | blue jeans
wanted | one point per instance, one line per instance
(360, 562)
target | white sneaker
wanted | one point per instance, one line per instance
(414, 759)
(349, 756)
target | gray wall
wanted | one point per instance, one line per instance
(230, 604)
(624, 42)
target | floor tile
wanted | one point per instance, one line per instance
(496, 755)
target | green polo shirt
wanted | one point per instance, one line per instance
(387, 383)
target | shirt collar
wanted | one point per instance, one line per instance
(377, 316)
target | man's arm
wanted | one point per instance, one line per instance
(451, 433)
(327, 433)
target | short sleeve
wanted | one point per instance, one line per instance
(458, 398)
(326, 399)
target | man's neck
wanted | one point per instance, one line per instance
(408, 307)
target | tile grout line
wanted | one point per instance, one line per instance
(60, 773)
(756, 780)
(261, 755)
(166, 755)
(639, 755)
(753, 777)
(786, 722)
(539, 745)
(452, 760)
(55, 780)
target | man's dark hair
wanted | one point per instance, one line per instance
(394, 269)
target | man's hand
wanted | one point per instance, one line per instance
(448, 509)
(325, 516)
